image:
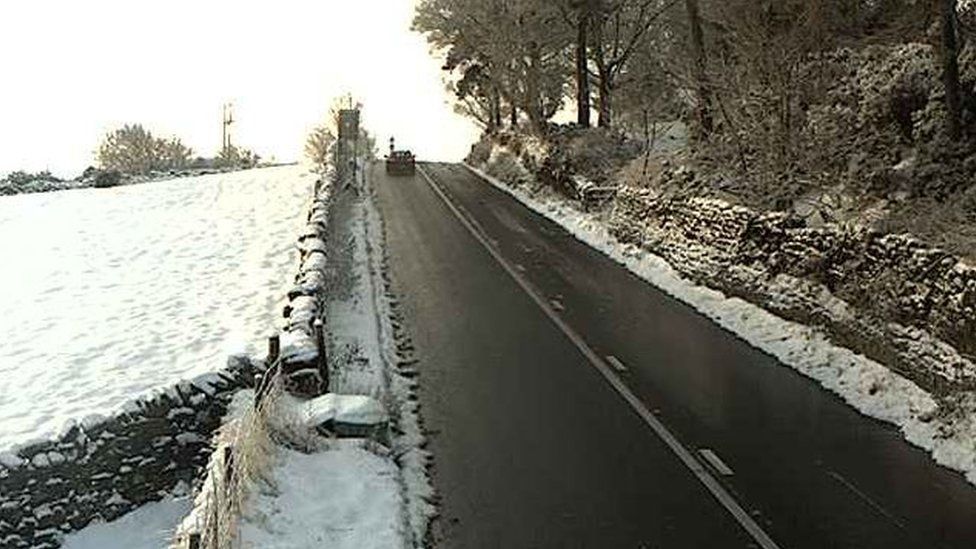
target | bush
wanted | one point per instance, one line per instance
(23, 182)
(107, 178)
(132, 149)
(236, 157)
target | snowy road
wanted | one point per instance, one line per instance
(534, 448)
(111, 293)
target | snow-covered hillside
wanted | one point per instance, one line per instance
(111, 293)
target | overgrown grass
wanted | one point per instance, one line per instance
(244, 453)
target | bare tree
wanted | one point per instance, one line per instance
(619, 28)
(233, 156)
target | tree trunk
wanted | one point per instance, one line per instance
(700, 64)
(606, 101)
(496, 111)
(582, 74)
(513, 121)
(603, 73)
(647, 139)
(533, 99)
(950, 68)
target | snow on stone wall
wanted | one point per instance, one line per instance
(895, 299)
(299, 347)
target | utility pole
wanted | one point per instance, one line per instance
(228, 119)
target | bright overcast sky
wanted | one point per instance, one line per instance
(74, 69)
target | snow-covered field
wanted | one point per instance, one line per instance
(864, 384)
(112, 293)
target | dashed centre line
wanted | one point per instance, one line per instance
(615, 362)
(716, 462)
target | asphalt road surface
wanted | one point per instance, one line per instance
(571, 404)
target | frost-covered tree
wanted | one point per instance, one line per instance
(618, 30)
(233, 156)
(172, 154)
(132, 149)
(506, 57)
(318, 145)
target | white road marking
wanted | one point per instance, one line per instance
(615, 362)
(708, 480)
(716, 462)
(865, 498)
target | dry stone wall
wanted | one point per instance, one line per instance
(105, 469)
(889, 296)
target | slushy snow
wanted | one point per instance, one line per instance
(113, 293)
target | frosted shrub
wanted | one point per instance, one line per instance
(505, 165)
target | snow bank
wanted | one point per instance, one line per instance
(117, 292)
(345, 497)
(868, 386)
(244, 443)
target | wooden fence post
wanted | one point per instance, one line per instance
(215, 520)
(228, 467)
(274, 348)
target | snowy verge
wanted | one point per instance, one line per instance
(372, 353)
(344, 497)
(866, 385)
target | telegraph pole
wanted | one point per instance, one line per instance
(228, 119)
